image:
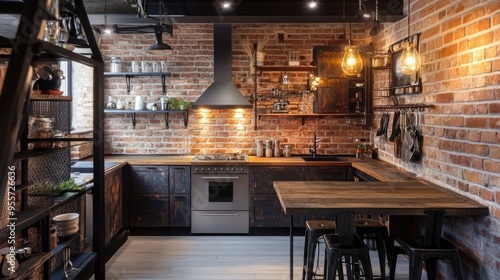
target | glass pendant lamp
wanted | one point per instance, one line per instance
(352, 64)
(410, 58)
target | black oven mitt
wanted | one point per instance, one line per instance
(395, 127)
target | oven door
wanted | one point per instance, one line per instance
(219, 192)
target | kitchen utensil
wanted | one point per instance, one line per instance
(395, 127)
(380, 130)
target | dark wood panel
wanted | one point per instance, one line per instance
(149, 211)
(262, 177)
(180, 210)
(149, 179)
(326, 173)
(266, 211)
(113, 196)
(180, 179)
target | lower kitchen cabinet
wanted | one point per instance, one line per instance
(150, 211)
(160, 196)
(265, 208)
(266, 211)
(180, 210)
(326, 173)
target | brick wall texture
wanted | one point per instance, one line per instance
(460, 74)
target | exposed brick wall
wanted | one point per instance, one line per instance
(191, 65)
(461, 73)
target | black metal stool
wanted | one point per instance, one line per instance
(335, 251)
(427, 249)
(314, 230)
(374, 229)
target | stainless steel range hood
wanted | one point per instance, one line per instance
(222, 93)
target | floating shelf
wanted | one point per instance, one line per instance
(129, 75)
(303, 116)
(133, 113)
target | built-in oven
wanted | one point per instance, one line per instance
(219, 199)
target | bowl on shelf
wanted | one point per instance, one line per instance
(359, 84)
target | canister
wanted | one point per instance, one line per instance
(287, 151)
(277, 152)
(259, 150)
(116, 64)
(269, 148)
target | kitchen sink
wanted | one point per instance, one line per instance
(322, 158)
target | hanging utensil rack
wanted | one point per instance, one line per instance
(413, 108)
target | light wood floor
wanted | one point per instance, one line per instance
(213, 257)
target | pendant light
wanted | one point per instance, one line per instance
(159, 48)
(352, 64)
(409, 62)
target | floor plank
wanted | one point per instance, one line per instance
(214, 257)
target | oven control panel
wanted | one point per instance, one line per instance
(221, 169)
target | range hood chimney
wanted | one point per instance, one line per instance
(222, 93)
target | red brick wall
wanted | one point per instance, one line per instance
(461, 73)
(191, 65)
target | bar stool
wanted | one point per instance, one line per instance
(427, 249)
(315, 229)
(374, 229)
(335, 251)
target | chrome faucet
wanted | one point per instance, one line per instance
(313, 149)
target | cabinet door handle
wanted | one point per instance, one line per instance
(219, 214)
(151, 168)
(219, 178)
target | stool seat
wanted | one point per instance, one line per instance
(335, 251)
(419, 253)
(374, 229)
(314, 230)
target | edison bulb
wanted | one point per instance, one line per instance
(352, 64)
(409, 62)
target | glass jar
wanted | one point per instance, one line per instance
(116, 64)
(43, 128)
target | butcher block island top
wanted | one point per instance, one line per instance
(393, 198)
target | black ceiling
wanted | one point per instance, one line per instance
(243, 11)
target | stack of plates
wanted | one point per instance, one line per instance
(67, 224)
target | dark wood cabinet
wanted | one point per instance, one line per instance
(149, 179)
(149, 211)
(179, 179)
(326, 173)
(180, 210)
(265, 208)
(160, 196)
(180, 196)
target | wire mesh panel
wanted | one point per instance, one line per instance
(59, 110)
(52, 167)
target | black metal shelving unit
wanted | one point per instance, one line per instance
(27, 49)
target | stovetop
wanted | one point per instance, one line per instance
(222, 157)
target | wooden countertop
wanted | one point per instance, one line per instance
(392, 198)
(382, 171)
